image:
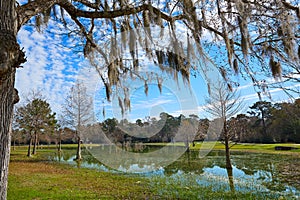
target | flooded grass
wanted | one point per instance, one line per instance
(34, 178)
(254, 176)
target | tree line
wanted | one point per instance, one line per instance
(265, 122)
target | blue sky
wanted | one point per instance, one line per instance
(53, 67)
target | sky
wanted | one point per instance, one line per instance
(53, 68)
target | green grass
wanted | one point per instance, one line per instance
(37, 178)
(266, 148)
(249, 147)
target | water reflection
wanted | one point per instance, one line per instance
(250, 172)
(230, 179)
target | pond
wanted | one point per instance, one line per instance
(255, 172)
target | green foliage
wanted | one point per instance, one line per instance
(36, 116)
(264, 123)
(278, 122)
(109, 125)
(261, 109)
(286, 122)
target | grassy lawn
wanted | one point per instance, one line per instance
(255, 148)
(37, 178)
(261, 148)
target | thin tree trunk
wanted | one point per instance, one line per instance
(227, 152)
(227, 148)
(59, 156)
(263, 122)
(9, 60)
(230, 180)
(78, 155)
(35, 141)
(29, 148)
(59, 142)
(59, 146)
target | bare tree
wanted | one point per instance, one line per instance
(265, 30)
(78, 112)
(224, 104)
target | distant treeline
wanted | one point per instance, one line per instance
(265, 122)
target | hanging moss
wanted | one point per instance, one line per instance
(103, 112)
(38, 22)
(121, 105)
(228, 47)
(113, 74)
(127, 103)
(46, 15)
(108, 91)
(244, 35)
(146, 88)
(275, 68)
(124, 32)
(236, 66)
(159, 84)
(132, 43)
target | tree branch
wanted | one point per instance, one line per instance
(290, 6)
(89, 4)
(27, 11)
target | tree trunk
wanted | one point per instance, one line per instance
(29, 148)
(59, 141)
(6, 110)
(35, 141)
(230, 179)
(263, 121)
(59, 146)
(227, 148)
(78, 155)
(10, 58)
(227, 152)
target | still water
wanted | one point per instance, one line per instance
(251, 171)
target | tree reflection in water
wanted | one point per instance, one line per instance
(250, 172)
(230, 179)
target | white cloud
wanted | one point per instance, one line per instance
(146, 104)
(49, 68)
